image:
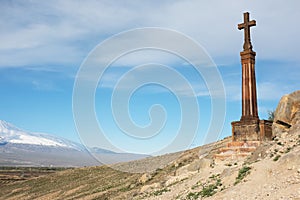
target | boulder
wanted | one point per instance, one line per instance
(289, 160)
(295, 129)
(287, 114)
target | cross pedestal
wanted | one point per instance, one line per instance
(251, 130)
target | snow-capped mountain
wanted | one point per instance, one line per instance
(11, 134)
(23, 148)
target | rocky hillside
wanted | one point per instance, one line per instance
(271, 172)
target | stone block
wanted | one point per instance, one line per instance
(247, 130)
(251, 130)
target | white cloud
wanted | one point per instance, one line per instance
(26, 26)
(152, 75)
(266, 91)
(40, 33)
(273, 91)
(45, 86)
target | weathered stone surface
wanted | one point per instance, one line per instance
(291, 159)
(205, 163)
(245, 130)
(287, 114)
(252, 130)
(147, 188)
(236, 150)
(265, 130)
(295, 129)
(203, 153)
(144, 178)
(181, 171)
(175, 179)
(199, 164)
(194, 166)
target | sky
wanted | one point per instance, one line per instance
(45, 44)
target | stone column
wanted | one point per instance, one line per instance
(249, 96)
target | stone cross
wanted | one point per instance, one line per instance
(246, 26)
(250, 129)
(249, 97)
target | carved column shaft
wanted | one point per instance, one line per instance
(249, 96)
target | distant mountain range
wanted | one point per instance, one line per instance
(22, 148)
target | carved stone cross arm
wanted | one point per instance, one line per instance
(246, 26)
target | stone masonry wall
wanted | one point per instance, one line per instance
(245, 130)
(251, 130)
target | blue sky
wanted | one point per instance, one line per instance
(43, 44)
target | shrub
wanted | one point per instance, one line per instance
(288, 149)
(209, 190)
(193, 195)
(276, 158)
(279, 143)
(242, 174)
(160, 192)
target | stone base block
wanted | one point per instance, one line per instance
(245, 130)
(251, 130)
(265, 127)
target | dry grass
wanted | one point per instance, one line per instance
(72, 183)
(102, 182)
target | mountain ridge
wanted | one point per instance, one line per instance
(13, 134)
(24, 148)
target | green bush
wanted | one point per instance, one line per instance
(209, 190)
(160, 192)
(193, 195)
(276, 158)
(242, 174)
